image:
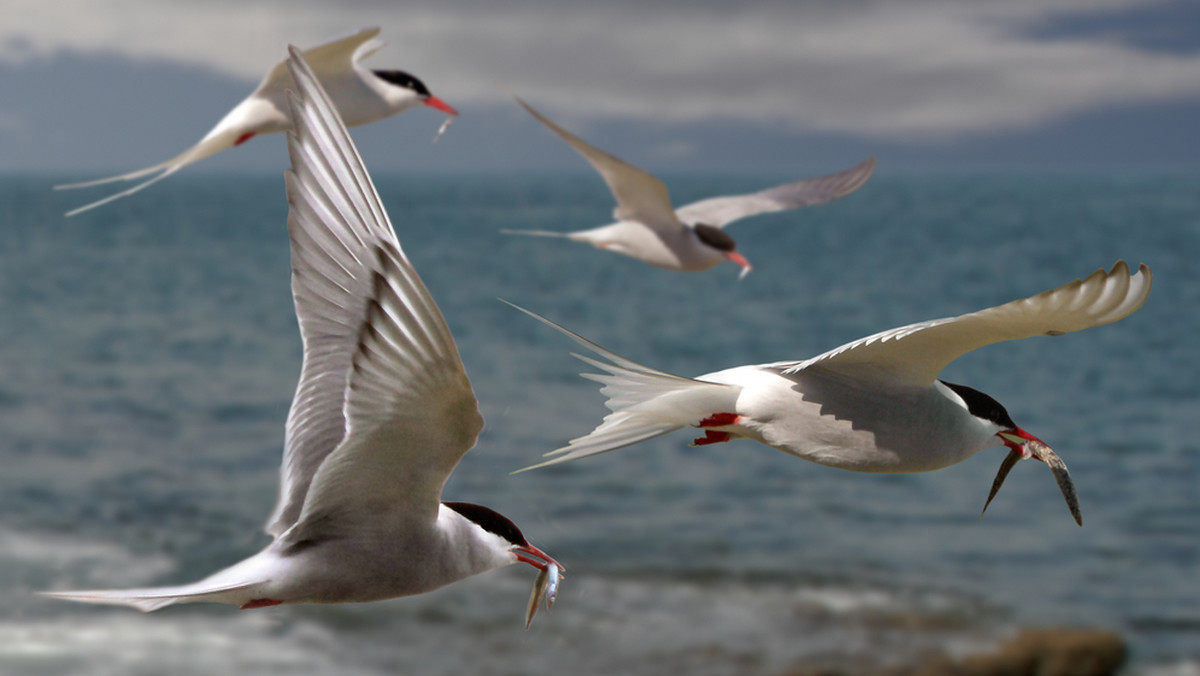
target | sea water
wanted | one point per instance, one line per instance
(149, 353)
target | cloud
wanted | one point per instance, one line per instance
(928, 69)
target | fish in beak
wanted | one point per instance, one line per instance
(1024, 445)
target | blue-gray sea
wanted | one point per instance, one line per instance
(149, 353)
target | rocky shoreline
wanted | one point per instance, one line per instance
(1031, 652)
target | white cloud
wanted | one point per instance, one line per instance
(932, 68)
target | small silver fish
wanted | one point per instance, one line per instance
(1031, 448)
(535, 597)
(545, 586)
(442, 129)
(552, 578)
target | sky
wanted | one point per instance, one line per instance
(89, 87)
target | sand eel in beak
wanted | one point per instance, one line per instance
(1024, 445)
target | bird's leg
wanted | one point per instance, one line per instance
(260, 603)
(714, 436)
(711, 437)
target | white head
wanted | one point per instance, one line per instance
(1021, 445)
(498, 541)
(404, 90)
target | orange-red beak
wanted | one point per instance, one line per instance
(740, 260)
(435, 102)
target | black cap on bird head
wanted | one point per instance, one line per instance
(714, 237)
(490, 520)
(721, 241)
(403, 79)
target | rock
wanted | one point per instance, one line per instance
(1032, 652)
(1049, 652)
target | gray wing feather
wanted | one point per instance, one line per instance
(918, 352)
(641, 196)
(721, 211)
(338, 229)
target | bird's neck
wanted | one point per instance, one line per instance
(472, 549)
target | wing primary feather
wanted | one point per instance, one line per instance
(918, 352)
(722, 211)
(384, 410)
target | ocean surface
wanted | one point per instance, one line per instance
(149, 353)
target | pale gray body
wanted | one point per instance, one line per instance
(676, 249)
(839, 421)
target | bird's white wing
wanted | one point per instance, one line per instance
(328, 58)
(383, 411)
(341, 53)
(918, 352)
(721, 211)
(640, 195)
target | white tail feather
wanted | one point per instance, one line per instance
(238, 584)
(217, 140)
(153, 598)
(535, 233)
(123, 193)
(645, 403)
(113, 179)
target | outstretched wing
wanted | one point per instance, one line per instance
(640, 195)
(383, 411)
(721, 211)
(335, 56)
(918, 352)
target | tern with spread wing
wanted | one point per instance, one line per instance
(361, 96)
(381, 416)
(691, 238)
(873, 405)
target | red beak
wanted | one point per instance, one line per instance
(740, 260)
(435, 102)
(1007, 436)
(524, 553)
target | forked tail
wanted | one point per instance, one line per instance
(209, 145)
(153, 598)
(124, 193)
(645, 403)
(240, 584)
(536, 233)
(113, 179)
